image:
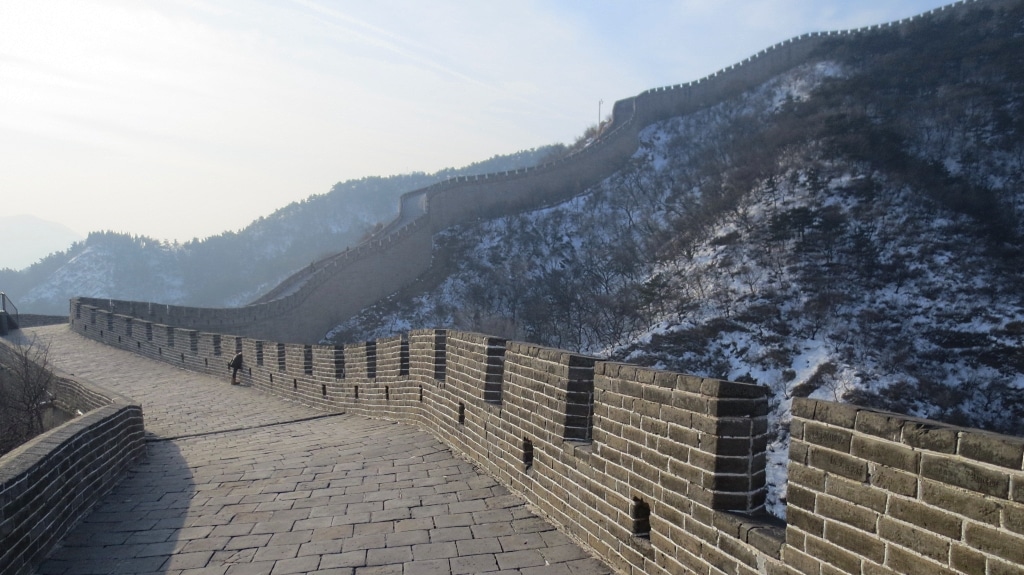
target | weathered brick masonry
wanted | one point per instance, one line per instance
(657, 472)
(869, 488)
(51, 482)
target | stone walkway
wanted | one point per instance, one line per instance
(240, 482)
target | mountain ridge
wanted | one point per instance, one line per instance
(37, 239)
(851, 231)
(232, 268)
(222, 281)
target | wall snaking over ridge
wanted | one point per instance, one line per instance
(657, 472)
(317, 298)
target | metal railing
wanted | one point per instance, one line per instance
(8, 318)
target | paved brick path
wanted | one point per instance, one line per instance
(240, 482)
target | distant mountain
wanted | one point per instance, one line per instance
(230, 269)
(30, 239)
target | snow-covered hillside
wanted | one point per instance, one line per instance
(849, 231)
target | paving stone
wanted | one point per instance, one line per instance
(407, 538)
(373, 528)
(247, 542)
(272, 527)
(349, 519)
(297, 565)
(429, 567)
(394, 514)
(188, 560)
(232, 556)
(316, 522)
(429, 511)
(454, 520)
(356, 542)
(478, 546)
(423, 523)
(207, 544)
(443, 534)
(519, 559)
(292, 493)
(389, 555)
(473, 564)
(492, 529)
(435, 551)
(321, 547)
(562, 553)
(217, 570)
(522, 541)
(291, 537)
(261, 568)
(531, 524)
(232, 530)
(588, 566)
(379, 570)
(347, 559)
(559, 569)
(288, 515)
(275, 552)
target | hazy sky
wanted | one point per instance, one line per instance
(185, 118)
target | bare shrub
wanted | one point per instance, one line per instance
(25, 392)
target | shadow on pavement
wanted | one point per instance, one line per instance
(139, 527)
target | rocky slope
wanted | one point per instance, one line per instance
(851, 230)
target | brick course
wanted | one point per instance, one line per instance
(869, 492)
(577, 437)
(933, 498)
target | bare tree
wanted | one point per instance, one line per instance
(25, 392)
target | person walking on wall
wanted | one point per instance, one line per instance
(235, 364)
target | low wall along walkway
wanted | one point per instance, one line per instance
(657, 472)
(50, 483)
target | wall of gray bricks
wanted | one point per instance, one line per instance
(880, 493)
(657, 472)
(48, 484)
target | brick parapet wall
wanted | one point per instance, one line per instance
(533, 435)
(48, 484)
(474, 358)
(693, 450)
(869, 492)
(392, 358)
(26, 320)
(884, 493)
(72, 397)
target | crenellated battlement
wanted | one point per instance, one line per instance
(658, 472)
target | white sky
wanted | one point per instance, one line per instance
(186, 118)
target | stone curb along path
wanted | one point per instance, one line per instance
(240, 482)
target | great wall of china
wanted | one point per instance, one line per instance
(657, 472)
(317, 298)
